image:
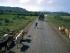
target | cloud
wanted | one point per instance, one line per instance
(32, 7)
(39, 1)
(50, 2)
(36, 5)
(24, 1)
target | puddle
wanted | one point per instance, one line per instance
(24, 48)
(29, 35)
(3, 51)
(26, 40)
(11, 52)
(11, 46)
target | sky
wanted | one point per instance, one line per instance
(39, 5)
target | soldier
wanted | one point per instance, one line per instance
(36, 24)
(41, 17)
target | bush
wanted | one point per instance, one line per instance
(58, 17)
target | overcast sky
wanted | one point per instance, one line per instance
(39, 5)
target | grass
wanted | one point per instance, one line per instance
(60, 20)
(10, 22)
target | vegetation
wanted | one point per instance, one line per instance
(60, 20)
(13, 22)
(14, 19)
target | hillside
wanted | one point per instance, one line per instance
(14, 10)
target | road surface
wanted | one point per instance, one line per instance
(46, 40)
(43, 40)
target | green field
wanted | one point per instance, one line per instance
(9, 22)
(59, 20)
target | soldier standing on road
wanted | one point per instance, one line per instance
(36, 24)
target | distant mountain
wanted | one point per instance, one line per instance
(18, 10)
(12, 10)
(58, 13)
